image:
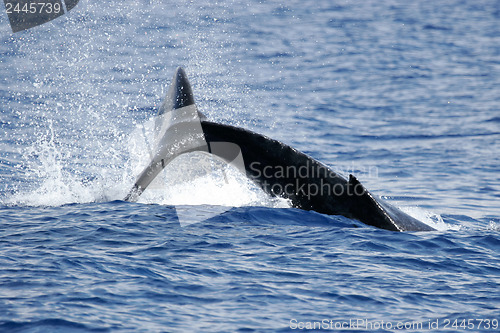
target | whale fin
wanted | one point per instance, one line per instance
(177, 131)
(179, 95)
(274, 166)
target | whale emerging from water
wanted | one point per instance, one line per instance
(277, 168)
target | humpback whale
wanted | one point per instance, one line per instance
(275, 167)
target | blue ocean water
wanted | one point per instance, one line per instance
(403, 95)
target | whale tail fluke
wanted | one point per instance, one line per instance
(180, 128)
(180, 93)
(177, 131)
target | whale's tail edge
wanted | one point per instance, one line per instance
(181, 128)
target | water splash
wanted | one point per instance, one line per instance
(430, 218)
(54, 184)
(494, 226)
(193, 178)
(190, 179)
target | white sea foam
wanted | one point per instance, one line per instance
(190, 179)
(431, 219)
